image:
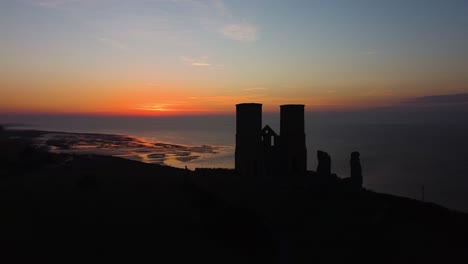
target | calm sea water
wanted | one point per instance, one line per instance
(397, 157)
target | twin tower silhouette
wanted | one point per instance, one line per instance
(261, 151)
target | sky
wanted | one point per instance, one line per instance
(182, 57)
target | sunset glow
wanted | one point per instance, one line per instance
(165, 57)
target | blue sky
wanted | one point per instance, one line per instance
(186, 54)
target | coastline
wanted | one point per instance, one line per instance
(125, 146)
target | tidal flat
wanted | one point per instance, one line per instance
(124, 146)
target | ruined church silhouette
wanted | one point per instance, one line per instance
(261, 152)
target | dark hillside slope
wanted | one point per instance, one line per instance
(88, 208)
(95, 208)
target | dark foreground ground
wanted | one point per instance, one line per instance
(87, 208)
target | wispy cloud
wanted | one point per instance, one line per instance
(438, 103)
(241, 32)
(156, 107)
(201, 62)
(169, 106)
(446, 99)
(230, 100)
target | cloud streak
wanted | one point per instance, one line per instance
(202, 62)
(447, 102)
(440, 99)
(241, 32)
(169, 106)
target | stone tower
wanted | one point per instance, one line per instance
(293, 140)
(249, 146)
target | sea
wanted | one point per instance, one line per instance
(410, 156)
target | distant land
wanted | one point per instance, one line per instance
(116, 145)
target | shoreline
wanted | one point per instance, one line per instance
(119, 145)
(379, 175)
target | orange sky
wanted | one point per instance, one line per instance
(141, 58)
